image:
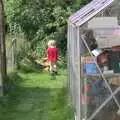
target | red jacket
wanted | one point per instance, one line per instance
(52, 54)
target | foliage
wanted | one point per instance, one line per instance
(41, 20)
(28, 66)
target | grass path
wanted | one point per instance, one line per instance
(35, 97)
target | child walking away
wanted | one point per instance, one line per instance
(52, 54)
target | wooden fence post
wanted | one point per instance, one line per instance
(14, 53)
(3, 71)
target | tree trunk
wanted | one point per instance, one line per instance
(2, 45)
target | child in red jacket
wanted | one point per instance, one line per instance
(52, 55)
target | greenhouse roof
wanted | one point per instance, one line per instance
(88, 11)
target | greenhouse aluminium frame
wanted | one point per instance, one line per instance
(76, 48)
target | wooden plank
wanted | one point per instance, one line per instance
(3, 72)
(115, 81)
(1, 86)
(103, 22)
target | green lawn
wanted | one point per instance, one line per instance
(35, 97)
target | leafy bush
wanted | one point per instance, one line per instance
(41, 20)
(27, 65)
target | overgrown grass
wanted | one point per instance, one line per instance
(33, 96)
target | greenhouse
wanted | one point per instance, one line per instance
(94, 60)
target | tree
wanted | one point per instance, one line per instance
(2, 44)
(42, 20)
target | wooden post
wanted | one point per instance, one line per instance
(3, 71)
(13, 53)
